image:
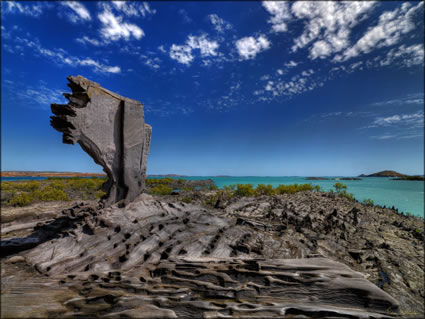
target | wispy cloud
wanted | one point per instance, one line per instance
(78, 12)
(113, 27)
(413, 99)
(249, 47)
(329, 25)
(185, 16)
(408, 56)
(165, 108)
(85, 39)
(391, 26)
(62, 57)
(184, 53)
(411, 120)
(28, 9)
(39, 96)
(135, 9)
(398, 136)
(219, 24)
(299, 83)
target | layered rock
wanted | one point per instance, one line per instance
(159, 259)
(112, 130)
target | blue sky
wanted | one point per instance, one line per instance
(230, 88)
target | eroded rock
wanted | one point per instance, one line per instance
(112, 130)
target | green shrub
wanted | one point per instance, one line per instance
(339, 187)
(294, 188)
(21, 199)
(368, 202)
(188, 188)
(349, 196)
(262, 189)
(49, 193)
(26, 186)
(59, 184)
(244, 190)
(161, 190)
(230, 188)
(317, 188)
(212, 187)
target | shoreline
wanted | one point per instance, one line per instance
(49, 174)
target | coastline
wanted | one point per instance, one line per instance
(48, 174)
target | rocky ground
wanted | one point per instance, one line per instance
(209, 254)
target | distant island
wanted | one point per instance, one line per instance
(48, 174)
(398, 176)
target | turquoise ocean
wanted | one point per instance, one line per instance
(406, 196)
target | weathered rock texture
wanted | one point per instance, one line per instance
(257, 257)
(112, 130)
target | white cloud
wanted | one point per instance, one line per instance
(412, 120)
(329, 24)
(33, 10)
(320, 49)
(219, 24)
(291, 64)
(113, 28)
(79, 11)
(98, 67)
(185, 16)
(86, 39)
(407, 55)
(249, 47)
(297, 84)
(391, 26)
(280, 14)
(162, 49)
(135, 9)
(183, 53)
(152, 62)
(206, 47)
(61, 57)
(415, 99)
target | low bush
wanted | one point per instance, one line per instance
(22, 199)
(262, 189)
(244, 190)
(349, 196)
(230, 188)
(161, 190)
(49, 193)
(294, 188)
(158, 181)
(368, 202)
(339, 187)
(22, 193)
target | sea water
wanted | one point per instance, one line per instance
(406, 196)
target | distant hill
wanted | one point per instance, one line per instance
(384, 174)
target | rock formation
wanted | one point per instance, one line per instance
(112, 130)
(163, 259)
